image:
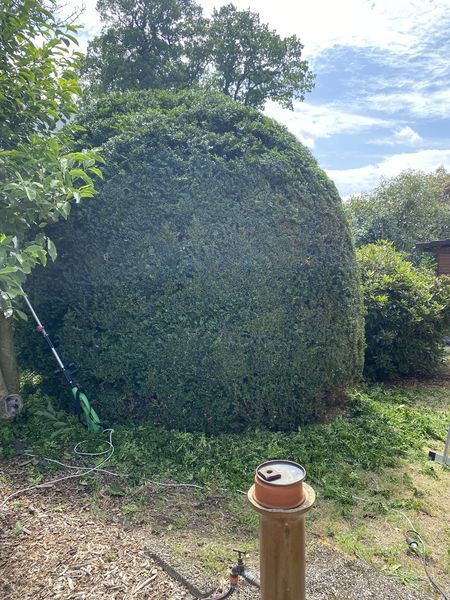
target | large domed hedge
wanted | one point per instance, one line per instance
(212, 283)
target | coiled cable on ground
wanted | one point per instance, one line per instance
(81, 470)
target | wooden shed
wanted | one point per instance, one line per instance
(441, 249)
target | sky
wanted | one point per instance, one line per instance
(381, 103)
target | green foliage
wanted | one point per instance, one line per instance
(253, 64)
(168, 44)
(220, 288)
(380, 426)
(18, 528)
(39, 177)
(407, 313)
(148, 45)
(34, 429)
(410, 208)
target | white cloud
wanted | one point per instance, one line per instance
(402, 26)
(419, 104)
(310, 122)
(354, 181)
(405, 136)
(399, 26)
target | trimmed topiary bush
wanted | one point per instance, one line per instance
(407, 313)
(212, 284)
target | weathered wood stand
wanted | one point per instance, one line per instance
(282, 548)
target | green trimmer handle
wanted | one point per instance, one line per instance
(90, 416)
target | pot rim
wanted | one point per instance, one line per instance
(286, 462)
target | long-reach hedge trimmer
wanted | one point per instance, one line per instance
(86, 413)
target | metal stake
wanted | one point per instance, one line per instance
(442, 458)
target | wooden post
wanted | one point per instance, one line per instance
(282, 548)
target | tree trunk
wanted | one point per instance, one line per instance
(10, 401)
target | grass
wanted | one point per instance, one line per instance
(381, 425)
(365, 464)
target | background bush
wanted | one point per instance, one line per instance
(407, 209)
(212, 284)
(407, 313)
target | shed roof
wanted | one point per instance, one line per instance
(432, 246)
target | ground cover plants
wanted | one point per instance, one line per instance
(379, 426)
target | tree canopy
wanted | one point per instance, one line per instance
(146, 45)
(410, 208)
(168, 44)
(39, 177)
(252, 64)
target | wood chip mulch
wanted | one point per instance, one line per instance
(47, 554)
(54, 546)
(58, 551)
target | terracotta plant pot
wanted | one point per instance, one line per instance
(279, 484)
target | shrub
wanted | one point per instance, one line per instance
(409, 208)
(212, 284)
(407, 313)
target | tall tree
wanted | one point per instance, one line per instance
(410, 208)
(252, 63)
(146, 44)
(150, 44)
(39, 177)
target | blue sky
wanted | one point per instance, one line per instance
(381, 103)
